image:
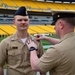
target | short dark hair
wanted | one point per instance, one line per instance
(71, 21)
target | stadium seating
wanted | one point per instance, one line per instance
(32, 6)
(2, 32)
(33, 29)
(19, 3)
(41, 5)
(47, 28)
(36, 29)
(1, 5)
(8, 29)
(50, 6)
(36, 5)
(9, 3)
(69, 6)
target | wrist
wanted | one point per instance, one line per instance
(33, 48)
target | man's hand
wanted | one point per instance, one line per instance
(40, 37)
(31, 45)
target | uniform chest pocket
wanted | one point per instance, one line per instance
(14, 56)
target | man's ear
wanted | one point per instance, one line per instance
(61, 24)
(29, 21)
(14, 22)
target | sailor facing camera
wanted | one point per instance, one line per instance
(13, 49)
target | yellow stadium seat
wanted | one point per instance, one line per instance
(30, 4)
(20, 3)
(41, 5)
(9, 3)
(2, 32)
(48, 28)
(50, 5)
(33, 29)
(7, 29)
(36, 6)
(68, 6)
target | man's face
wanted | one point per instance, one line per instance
(57, 28)
(21, 22)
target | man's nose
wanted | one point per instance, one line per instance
(23, 21)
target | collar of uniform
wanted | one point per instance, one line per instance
(14, 36)
(67, 35)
